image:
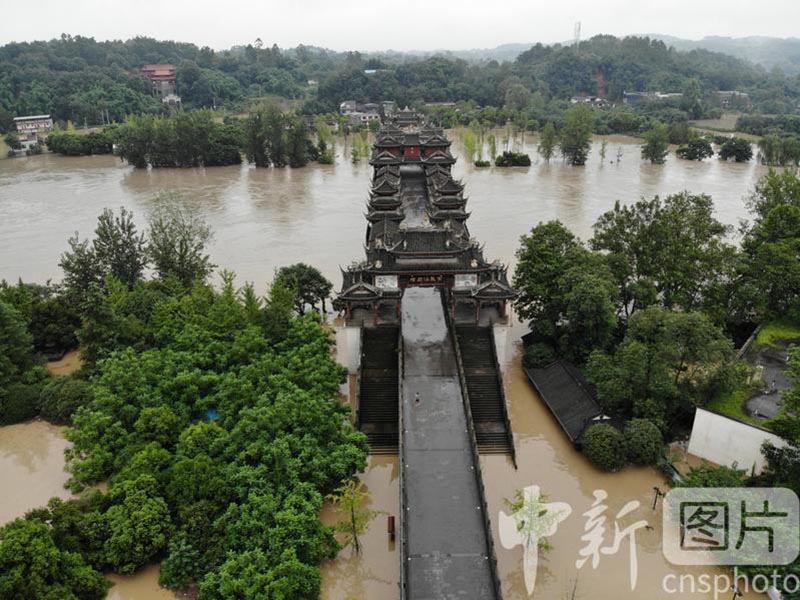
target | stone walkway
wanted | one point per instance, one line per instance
(446, 554)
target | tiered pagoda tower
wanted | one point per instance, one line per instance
(417, 233)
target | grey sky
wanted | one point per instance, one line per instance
(399, 24)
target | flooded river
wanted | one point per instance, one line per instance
(266, 218)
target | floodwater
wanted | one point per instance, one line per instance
(31, 467)
(546, 458)
(266, 218)
(374, 573)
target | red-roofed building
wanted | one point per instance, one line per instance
(163, 79)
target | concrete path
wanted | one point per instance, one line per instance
(446, 551)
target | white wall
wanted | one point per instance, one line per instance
(348, 347)
(726, 441)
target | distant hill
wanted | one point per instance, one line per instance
(766, 51)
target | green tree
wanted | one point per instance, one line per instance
(604, 446)
(179, 237)
(771, 245)
(180, 568)
(644, 442)
(119, 249)
(575, 137)
(61, 397)
(547, 141)
(656, 144)
(12, 140)
(139, 524)
(32, 566)
(737, 149)
(695, 149)
(668, 363)
(16, 345)
(351, 500)
(671, 251)
(309, 285)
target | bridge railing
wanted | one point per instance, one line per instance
(473, 442)
(401, 435)
(503, 402)
(359, 373)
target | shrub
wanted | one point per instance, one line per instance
(738, 149)
(538, 355)
(696, 149)
(18, 403)
(513, 159)
(484, 163)
(604, 446)
(61, 397)
(644, 442)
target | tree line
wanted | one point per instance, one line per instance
(268, 137)
(89, 82)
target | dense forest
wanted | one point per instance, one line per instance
(80, 79)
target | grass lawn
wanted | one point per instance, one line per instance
(775, 331)
(731, 404)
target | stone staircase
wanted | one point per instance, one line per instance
(485, 388)
(378, 389)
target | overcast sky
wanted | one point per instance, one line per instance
(397, 24)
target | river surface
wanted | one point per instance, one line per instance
(267, 218)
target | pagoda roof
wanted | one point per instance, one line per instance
(440, 156)
(429, 241)
(385, 230)
(448, 187)
(433, 137)
(360, 290)
(387, 169)
(394, 214)
(384, 186)
(444, 213)
(384, 157)
(388, 140)
(494, 289)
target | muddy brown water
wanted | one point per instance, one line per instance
(266, 218)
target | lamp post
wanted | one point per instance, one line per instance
(657, 493)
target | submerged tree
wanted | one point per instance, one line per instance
(576, 134)
(656, 144)
(351, 500)
(547, 142)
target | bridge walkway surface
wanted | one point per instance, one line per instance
(445, 549)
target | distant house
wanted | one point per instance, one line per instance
(163, 82)
(29, 129)
(585, 99)
(733, 99)
(639, 97)
(360, 114)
